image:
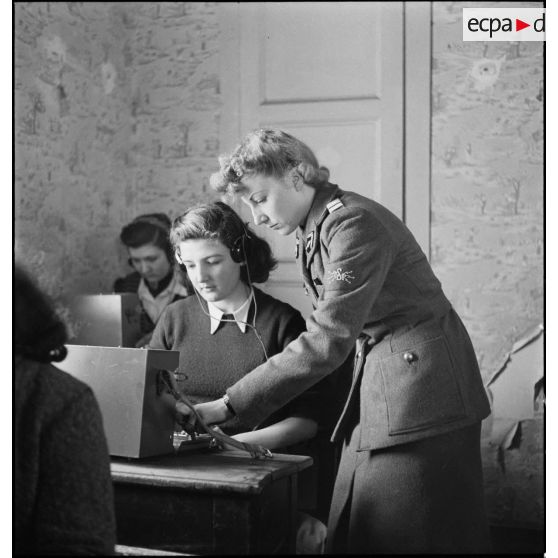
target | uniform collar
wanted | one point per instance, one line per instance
(240, 315)
(318, 210)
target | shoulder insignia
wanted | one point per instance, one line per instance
(334, 205)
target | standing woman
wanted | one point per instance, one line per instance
(153, 278)
(410, 477)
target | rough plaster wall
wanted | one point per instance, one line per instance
(72, 123)
(487, 181)
(487, 221)
(175, 104)
(116, 112)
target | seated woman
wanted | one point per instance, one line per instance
(229, 326)
(63, 496)
(154, 279)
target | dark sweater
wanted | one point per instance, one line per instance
(213, 362)
(63, 496)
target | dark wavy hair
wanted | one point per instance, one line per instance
(39, 334)
(151, 228)
(219, 221)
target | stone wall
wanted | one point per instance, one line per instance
(487, 180)
(116, 114)
(174, 102)
(487, 230)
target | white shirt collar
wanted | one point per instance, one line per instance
(154, 306)
(240, 315)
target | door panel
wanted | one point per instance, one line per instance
(332, 75)
(301, 58)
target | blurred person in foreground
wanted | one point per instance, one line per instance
(63, 495)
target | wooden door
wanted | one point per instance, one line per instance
(331, 74)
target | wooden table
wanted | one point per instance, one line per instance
(208, 502)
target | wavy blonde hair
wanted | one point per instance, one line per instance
(267, 152)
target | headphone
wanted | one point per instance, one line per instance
(238, 249)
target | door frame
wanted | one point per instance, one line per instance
(417, 77)
(417, 36)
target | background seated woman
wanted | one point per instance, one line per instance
(154, 280)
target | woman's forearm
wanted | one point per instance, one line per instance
(286, 432)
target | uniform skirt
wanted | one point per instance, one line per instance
(420, 497)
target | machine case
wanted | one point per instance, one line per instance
(138, 412)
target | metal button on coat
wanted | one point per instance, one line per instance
(410, 357)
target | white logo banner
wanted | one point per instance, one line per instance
(503, 24)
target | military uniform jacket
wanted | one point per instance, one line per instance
(415, 372)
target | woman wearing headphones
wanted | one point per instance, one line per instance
(228, 327)
(154, 279)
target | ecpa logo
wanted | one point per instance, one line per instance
(503, 24)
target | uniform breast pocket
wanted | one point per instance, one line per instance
(420, 387)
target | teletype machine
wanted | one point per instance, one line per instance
(138, 413)
(137, 409)
(136, 388)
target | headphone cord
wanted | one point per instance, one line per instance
(245, 235)
(253, 296)
(252, 326)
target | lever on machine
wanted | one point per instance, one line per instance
(167, 380)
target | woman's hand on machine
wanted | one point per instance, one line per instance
(204, 416)
(211, 412)
(185, 416)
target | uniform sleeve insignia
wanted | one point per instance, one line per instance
(340, 275)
